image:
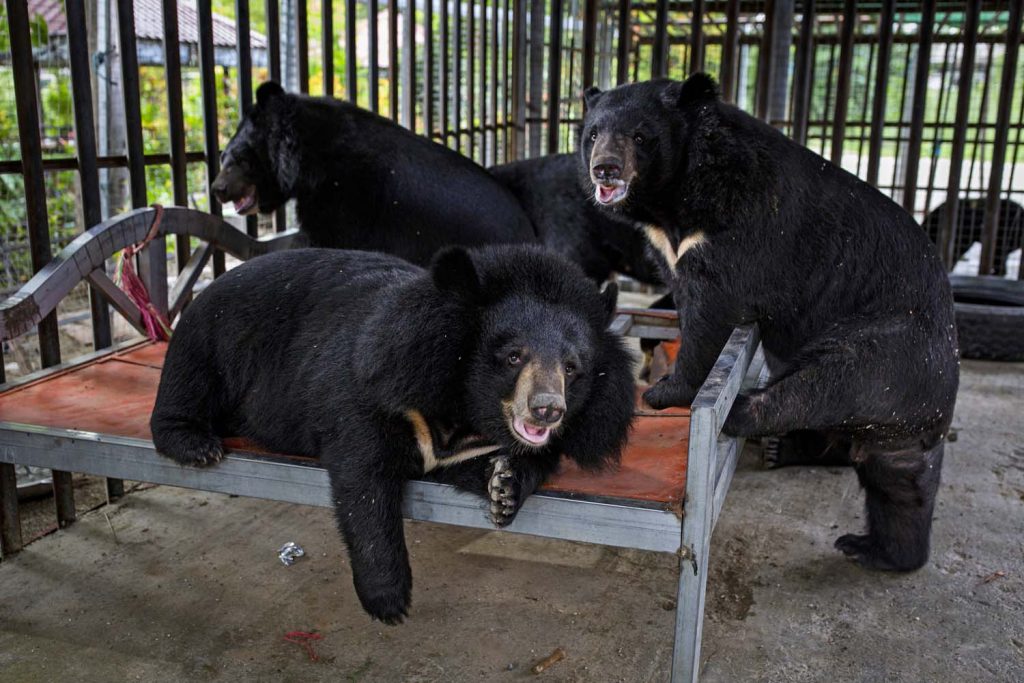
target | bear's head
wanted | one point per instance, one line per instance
(636, 138)
(259, 166)
(541, 372)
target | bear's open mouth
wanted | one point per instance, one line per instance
(610, 193)
(530, 434)
(247, 203)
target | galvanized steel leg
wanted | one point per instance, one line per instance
(10, 522)
(693, 564)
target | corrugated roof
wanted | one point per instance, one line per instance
(149, 24)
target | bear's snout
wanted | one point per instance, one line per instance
(547, 407)
(607, 168)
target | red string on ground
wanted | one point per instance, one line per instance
(304, 639)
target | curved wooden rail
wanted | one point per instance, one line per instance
(84, 259)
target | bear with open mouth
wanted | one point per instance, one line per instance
(480, 371)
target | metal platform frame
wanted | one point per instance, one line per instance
(614, 522)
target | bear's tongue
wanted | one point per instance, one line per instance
(607, 194)
(535, 435)
(245, 203)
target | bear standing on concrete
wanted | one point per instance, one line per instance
(480, 371)
(361, 181)
(853, 303)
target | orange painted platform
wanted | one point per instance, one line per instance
(115, 395)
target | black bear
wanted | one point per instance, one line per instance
(361, 181)
(480, 371)
(851, 298)
(566, 219)
(969, 228)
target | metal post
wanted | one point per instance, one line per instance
(555, 74)
(518, 79)
(804, 71)
(408, 68)
(535, 103)
(589, 41)
(327, 45)
(659, 56)
(881, 87)
(211, 143)
(428, 66)
(175, 120)
(26, 99)
(924, 51)
(730, 51)
(373, 47)
(990, 231)
(274, 62)
(697, 37)
(948, 227)
(625, 33)
(843, 82)
(302, 28)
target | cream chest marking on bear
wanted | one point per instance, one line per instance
(659, 239)
(425, 443)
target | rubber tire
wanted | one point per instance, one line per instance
(989, 317)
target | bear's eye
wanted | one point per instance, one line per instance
(638, 139)
(593, 136)
(515, 358)
(570, 369)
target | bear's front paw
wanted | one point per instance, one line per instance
(669, 392)
(862, 549)
(388, 603)
(741, 421)
(191, 448)
(502, 491)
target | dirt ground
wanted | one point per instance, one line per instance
(171, 585)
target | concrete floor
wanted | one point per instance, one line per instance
(179, 585)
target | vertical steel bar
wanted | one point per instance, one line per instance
(948, 226)
(878, 103)
(457, 75)
(273, 39)
(274, 63)
(302, 28)
(941, 114)
(444, 74)
(408, 66)
(764, 62)
(659, 56)
(518, 79)
(589, 41)
(730, 51)
(27, 103)
(924, 53)
(88, 174)
(211, 142)
(697, 37)
(175, 119)
(10, 518)
(493, 90)
(428, 66)
(484, 149)
(242, 45)
(85, 150)
(393, 68)
(843, 82)
(990, 230)
(625, 33)
(826, 106)
(554, 74)
(351, 64)
(471, 79)
(536, 86)
(862, 126)
(804, 68)
(373, 47)
(327, 45)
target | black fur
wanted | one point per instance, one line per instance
(566, 219)
(322, 352)
(361, 181)
(853, 303)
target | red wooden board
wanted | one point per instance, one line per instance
(115, 395)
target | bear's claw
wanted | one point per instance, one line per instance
(864, 551)
(502, 491)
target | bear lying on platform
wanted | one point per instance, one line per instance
(361, 181)
(851, 298)
(480, 371)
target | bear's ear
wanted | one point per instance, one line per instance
(610, 297)
(590, 96)
(267, 92)
(696, 89)
(453, 271)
